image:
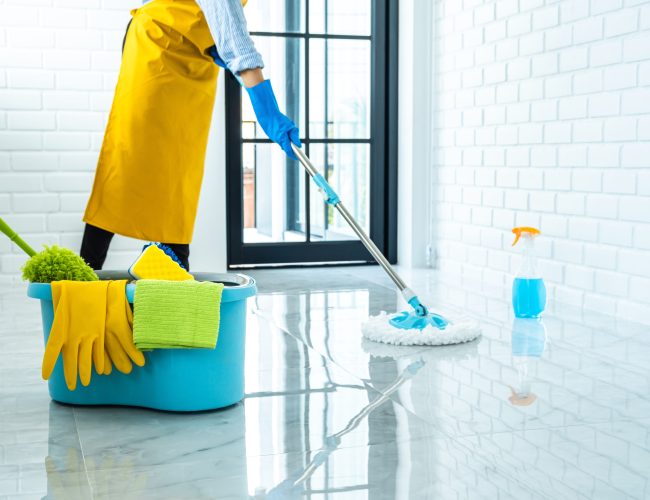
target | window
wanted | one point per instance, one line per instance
(333, 68)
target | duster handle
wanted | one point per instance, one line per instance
(11, 234)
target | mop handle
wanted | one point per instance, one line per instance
(333, 199)
(4, 227)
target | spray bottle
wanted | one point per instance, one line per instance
(528, 289)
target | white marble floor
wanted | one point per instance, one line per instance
(554, 410)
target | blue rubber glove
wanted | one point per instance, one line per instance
(217, 58)
(277, 126)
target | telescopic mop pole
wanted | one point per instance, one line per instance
(331, 198)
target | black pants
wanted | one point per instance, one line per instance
(96, 241)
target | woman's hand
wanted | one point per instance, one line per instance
(278, 127)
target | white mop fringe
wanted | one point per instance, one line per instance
(378, 329)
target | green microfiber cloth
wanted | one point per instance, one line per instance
(176, 314)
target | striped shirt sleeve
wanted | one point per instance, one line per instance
(228, 27)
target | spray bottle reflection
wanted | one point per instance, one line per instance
(528, 343)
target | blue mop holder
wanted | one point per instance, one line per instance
(331, 198)
(180, 380)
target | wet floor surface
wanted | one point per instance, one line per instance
(552, 409)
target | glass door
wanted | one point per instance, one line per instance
(329, 64)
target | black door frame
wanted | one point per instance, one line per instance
(383, 163)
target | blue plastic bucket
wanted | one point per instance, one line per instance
(171, 379)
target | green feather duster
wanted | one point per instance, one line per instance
(56, 264)
(52, 264)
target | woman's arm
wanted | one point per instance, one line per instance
(236, 50)
(229, 31)
(251, 77)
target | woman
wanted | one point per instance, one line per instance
(151, 163)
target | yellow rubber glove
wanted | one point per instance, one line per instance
(118, 343)
(108, 366)
(77, 330)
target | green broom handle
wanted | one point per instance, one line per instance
(16, 239)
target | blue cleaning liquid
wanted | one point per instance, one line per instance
(528, 297)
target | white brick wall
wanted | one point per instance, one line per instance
(542, 117)
(58, 66)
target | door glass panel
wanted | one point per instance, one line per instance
(277, 16)
(274, 195)
(340, 17)
(339, 87)
(283, 60)
(319, 56)
(347, 168)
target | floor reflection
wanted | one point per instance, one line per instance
(558, 408)
(299, 483)
(324, 420)
(569, 376)
(528, 343)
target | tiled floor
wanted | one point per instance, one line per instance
(558, 410)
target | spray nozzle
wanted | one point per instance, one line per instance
(518, 231)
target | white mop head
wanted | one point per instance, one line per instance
(460, 330)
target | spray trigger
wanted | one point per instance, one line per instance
(518, 231)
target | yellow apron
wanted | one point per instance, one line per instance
(151, 163)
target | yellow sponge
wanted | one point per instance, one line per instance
(155, 264)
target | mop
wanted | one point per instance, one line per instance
(418, 326)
